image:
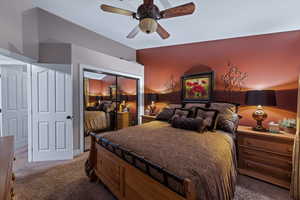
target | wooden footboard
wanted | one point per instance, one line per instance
(127, 182)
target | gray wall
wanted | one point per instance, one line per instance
(55, 53)
(55, 29)
(19, 27)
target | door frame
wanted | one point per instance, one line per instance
(30, 112)
(82, 68)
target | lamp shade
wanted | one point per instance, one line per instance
(261, 97)
(153, 97)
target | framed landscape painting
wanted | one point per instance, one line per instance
(197, 87)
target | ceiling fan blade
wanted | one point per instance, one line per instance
(185, 9)
(120, 11)
(162, 32)
(148, 1)
(166, 4)
(134, 32)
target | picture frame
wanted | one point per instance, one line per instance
(197, 88)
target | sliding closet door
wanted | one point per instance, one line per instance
(127, 102)
(100, 89)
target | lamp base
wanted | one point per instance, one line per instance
(259, 128)
(259, 115)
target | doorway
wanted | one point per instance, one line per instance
(36, 108)
(111, 102)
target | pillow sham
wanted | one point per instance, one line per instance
(193, 106)
(228, 119)
(223, 107)
(228, 123)
(209, 115)
(195, 124)
(174, 106)
(182, 112)
(166, 114)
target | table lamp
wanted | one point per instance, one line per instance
(260, 98)
(153, 98)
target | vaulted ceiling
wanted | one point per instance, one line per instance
(213, 19)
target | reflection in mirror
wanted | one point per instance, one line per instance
(110, 103)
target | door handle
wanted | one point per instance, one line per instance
(69, 117)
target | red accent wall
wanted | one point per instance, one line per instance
(271, 61)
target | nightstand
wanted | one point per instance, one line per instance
(123, 120)
(265, 156)
(148, 118)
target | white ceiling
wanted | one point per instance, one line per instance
(213, 19)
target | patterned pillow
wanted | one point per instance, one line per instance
(228, 119)
(195, 124)
(174, 106)
(224, 107)
(166, 114)
(209, 115)
(182, 112)
(228, 123)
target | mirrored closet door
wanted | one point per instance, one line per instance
(110, 103)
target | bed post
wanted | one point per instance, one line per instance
(190, 189)
(90, 164)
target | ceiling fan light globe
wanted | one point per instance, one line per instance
(148, 25)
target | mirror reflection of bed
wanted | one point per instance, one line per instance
(110, 103)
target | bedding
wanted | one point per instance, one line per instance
(196, 124)
(209, 115)
(96, 121)
(166, 114)
(228, 119)
(207, 159)
(193, 106)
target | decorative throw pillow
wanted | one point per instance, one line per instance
(228, 119)
(223, 107)
(228, 123)
(174, 106)
(209, 116)
(182, 112)
(193, 107)
(194, 124)
(166, 114)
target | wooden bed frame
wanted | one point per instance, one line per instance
(127, 182)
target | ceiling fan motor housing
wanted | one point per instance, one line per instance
(148, 11)
(148, 14)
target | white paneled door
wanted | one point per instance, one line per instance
(52, 135)
(14, 112)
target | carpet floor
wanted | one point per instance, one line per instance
(67, 181)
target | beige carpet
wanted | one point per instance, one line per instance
(68, 182)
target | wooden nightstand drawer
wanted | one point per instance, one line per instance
(266, 158)
(270, 146)
(266, 172)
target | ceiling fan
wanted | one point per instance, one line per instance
(148, 14)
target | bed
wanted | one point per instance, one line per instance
(156, 161)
